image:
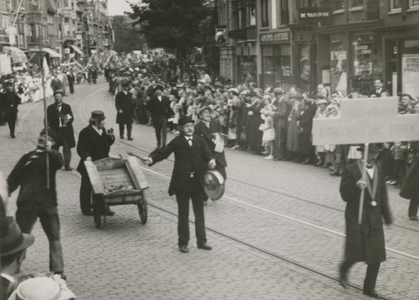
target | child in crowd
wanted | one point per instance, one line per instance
(321, 113)
(268, 133)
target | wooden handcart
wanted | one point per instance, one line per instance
(116, 181)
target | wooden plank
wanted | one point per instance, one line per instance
(116, 177)
(109, 163)
(136, 173)
(94, 177)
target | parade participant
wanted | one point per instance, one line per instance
(56, 84)
(410, 187)
(94, 143)
(192, 160)
(60, 118)
(365, 242)
(125, 110)
(9, 102)
(12, 250)
(71, 79)
(159, 107)
(36, 199)
(281, 110)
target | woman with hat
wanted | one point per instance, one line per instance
(255, 135)
(294, 130)
(305, 121)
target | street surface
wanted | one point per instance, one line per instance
(278, 232)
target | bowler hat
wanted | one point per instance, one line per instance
(214, 184)
(14, 241)
(125, 84)
(98, 114)
(185, 120)
(159, 87)
(51, 133)
(377, 147)
(59, 91)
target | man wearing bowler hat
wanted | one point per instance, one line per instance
(280, 115)
(192, 160)
(60, 118)
(12, 249)
(94, 143)
(125, 110)
(36, 199)
(160, 110)
(365, 242)
(9, 102)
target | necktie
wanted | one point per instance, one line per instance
(190, 142)
(369, 166)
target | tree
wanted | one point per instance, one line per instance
(210, 51)
(171, 24)
(127, 38)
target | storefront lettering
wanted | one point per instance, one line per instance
(274, 37)
(363, 49)
(309, 15)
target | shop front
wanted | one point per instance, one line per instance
(276, 59)
(246, 62)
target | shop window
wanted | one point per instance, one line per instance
(337, 75)
(265, 13)
(304, 67)
(284, 12)
(308, 3)
(355, 3)
(410, 68)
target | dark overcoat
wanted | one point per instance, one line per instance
(65, 132)
(92, 144)
(410, 187)
(280, 115)
(160, 108)
(124, 102)
(255, 135)
(30, 173)
(305, 120)
(9, 101)
(206, 134)
(365, 242)
(187, 158)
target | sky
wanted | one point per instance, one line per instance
(117, 7)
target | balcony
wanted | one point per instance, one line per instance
(247, 33)
(34, 40)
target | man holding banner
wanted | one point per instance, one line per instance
(365, 241)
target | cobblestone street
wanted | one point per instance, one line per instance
(278, 232)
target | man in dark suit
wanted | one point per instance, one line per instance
(12, 250)
(280, 115)
(9, 102)
(192, 160)
(125, 111)
(410, 187)
(365, 242)
(60, 118)
(160, 110)
(35, 199)
(56, 84)
(378, 88)
(94, 143)
(71, 79)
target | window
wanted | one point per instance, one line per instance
(236, 18)
(396, 3)
(414, 3)
(243, 21)
(309, 3)
(265, 13)
(251, 13)
(355, 3)
(284, 12)
(50, 19)
(66, 20)
(338, 4)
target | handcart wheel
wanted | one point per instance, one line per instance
(142, 209)
(97, 212)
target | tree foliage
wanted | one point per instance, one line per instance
(171, 24)
(210, 51)
(127, 38)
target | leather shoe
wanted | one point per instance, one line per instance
(373, 294)
(87, 213)
(130, 138)
(343, 282)
(414, 218)
(109, 212)
(204, 246)
(68, 168)
(184, 249)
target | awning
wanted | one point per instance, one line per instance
(75, 48)
(18, 56)
(52, 53)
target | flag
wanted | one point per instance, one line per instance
(45, 67)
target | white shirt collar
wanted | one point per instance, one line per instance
(8, 277)
(125, 92)
(188, 137)
(100, 131)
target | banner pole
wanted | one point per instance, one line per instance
(364, 174)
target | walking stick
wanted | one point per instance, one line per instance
(45, 114)
(364, 174)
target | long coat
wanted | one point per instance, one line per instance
(187, 159)
(410, 187)
(305, 120)
(92, 144)
(294, 131)
(9, 101)
(365, 242)
(65, 132)
(281, 113)
(160, 108)
(124, 102)
(255, 135)
(205, 133)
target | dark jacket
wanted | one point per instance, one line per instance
(410, 187)
(126, 104)
(187, 159)
(280, 115)
(205, 133)
(65, 132)
(92, 144)
(365, 242)
(30, 173)
(9, 102)
(160, 108)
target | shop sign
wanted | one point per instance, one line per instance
(275, 37)
(410, 72)
(338, 55)
(363, 49)
(314, 13)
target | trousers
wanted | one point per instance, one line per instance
(413, 206)
(85, 194)
(122, 129)
(370, 278)
(160, 126)
(26, 215)
(66, 152)
(191, 189)
(11, 120)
